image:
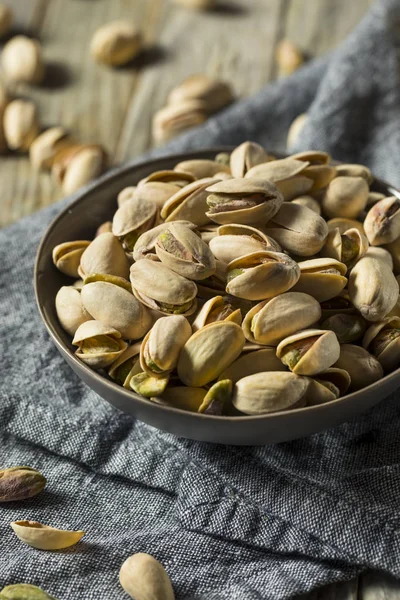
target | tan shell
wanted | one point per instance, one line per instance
(70, 310)
(295, 129)
(278, 170)
(132, 352)
(323, 353)
(208, 352)
(265, 275)
(389, 357)
(345, 197)
(184, 398)
(382, 223)
(67, 256)
(21, 60)
(174, 119)
(373, 288)
(236, 191)
(253, 362)
(314, 157)
(319, 284)
(157, 192)
(308, 202)
(162, 345)
(133, 216)
(269, 392)
(320, 174)
(234, 241)
(201, 168)
(45, 147)
(214, 94)
(216, 309)
(145, 246)
(6, 19)
(126, 194)
(77, 165)
(92, 329)
(394, 249)
(343, 224)
(171, 176)
(155, 285)
(354, 170)
(190, 203)
(104, 255)
(318, 393)
(116, 43)
(144, 578)
(45, 537)
(246, 156)
(362, 367)
(21, 124)
(298, 229)
(267, 323)
(334, 247)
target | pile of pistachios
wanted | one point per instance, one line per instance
(245, 284)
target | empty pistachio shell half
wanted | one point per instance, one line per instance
(345, 197)
(348, 328)
(104, 255)
(20, 483)
(245, 201)
(67, 256)
(24, 591)
(208, 352)
(116, 43)
(322, 278)
(382, 223)
(163, 290)
(162, 345)
(190, 203)
(328, 386)
(234, 241)
(70, 310)
(126, 365)
(184, 398)
(133, 218)
(362, 367)
(215, 309)
(309, 352)
(184, 252)
(261, 275)
(298, 229)
(268, 323)
(373, 288)
(382, 339)
(148, 386)
(144, 578)
(347, 247)
(45, 537)
(218, 398)
(145, 246)
(246, 156)
(253, 362)
(98, 345)
(201, 168)
(268, 392)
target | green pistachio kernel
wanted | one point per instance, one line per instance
(148, 386)
(99, 344)
(294, 352)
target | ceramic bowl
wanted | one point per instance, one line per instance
(97, 204)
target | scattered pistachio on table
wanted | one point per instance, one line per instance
(44, 537)
(116, 43)
(20, 483)
(21, 124)
(288, 57)
(22, 61)
(143, 577)
(216, 292)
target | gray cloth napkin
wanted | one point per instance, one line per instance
(227, 522)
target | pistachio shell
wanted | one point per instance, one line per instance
(67, 256)
(347, 248)
(174, 119)
(45, 537)
(309, 352)
(116, 43)
(218, 398)
(135, 215)
(208, 352)
(322, 278)
(295, 129)
(216, 309)
(345, 197)
(208, 288)
(70, 310)
(294, 187)
(119, 281)
(353, 170)
(146, 243)
(320, 174)
(21, 60)
(278, 170)
(373, 288)
(105, 227)
(148, 386)
(246, 156)
(343, 224)
(144, 578)
(328, 386)
(234, 241)
(201, 168)
(44, 148)
(269, 392)
(382, 339)
(253, 362)
(267, 323)
(98, 345)
(21, 125)
(161, 346)
(126, 194)
(104, 255)
(20, 483)
(308, 202)
(184, 398)
(24, 591)
(190, 203)
(171, 176)
(382, 223)
(362, 367)
(126, 366)
(373, 198)
(213, 93)
(338, 305)
(348, 328)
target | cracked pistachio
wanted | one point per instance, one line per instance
(208, 352)
(347, 247)
(218, 398)
(287, 174)
(309, 352)
(268, 392)
(382, 223)
(261, 275)
(70, 310)
(116, 43)
(45, 147)
(319, 171)
(382, 339)
(67, 256)
(362, 367)
(21, 124)
(343, 224)
(267, 323)
(246, 156)
(251, 362)
(45, 537)
(297, 229)
(144, 578)
(345, 197)
(394, 249)
(98, 345)
(24, 591)
(133, 218)
(348, 328)
(176, 118)
(243, 201)
(322, 278)
(353, 170)
(161, 289)
(295, 129)
(183, 397)
(184, 252)
(201, 168)
(161, 346)
(327, 386)
(189, 204)
(234, 241)
(20, 483)
(215, 309)
(22, 61)
(148, 386)
(308, 202)
(373, 288)
(212, 93)
(145, 246)
(104, 255)
(126, 365)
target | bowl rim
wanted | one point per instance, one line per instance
(114, 175)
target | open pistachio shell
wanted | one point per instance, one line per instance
(314, 157)
(269, 392)
(45, 537)
(218, 398)
(184, 252)
(185, 398)
(208, 352)
(268, 323)
(115, 306)
(322, 278)
(362, 367)
(347, 247)
(70, 310)
(373, 288)
(161, 289)
(309, 352)
(345, 197)
(179, 178)
(382, 223)
(215, 309)
(104, 255)
(132, 219)
(126, 194)
(245, 201)
(344, 224)
(253, 362)
(67, 256)
(148, 386)
(98, 345)
(308, 202)
(382, 339)
(261, 275)
(144, 578)
(246, 156)
(126, 366)
(201, 168)
(348, 328)
(320, 174)
(298, 229)
(394, 249)
(161, 346)
(354, 170)
(190, 203)
(145, 246)
(234, 241)
(278, 170)
(157, 192)
(328, 386)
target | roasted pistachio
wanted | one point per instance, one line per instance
(70, 310)
(268, 392)
(348, 328)
(45, 537)
(287, 174)
(162, 344)
(309, 352)
(175, 118)
(212, 93)
(217, 309)
(373, 198)
(104, 255)
(382, 339)
(251, 362)
(328, 386)
(148, 386)
(322, 278)
(218, 398)
(382, 223)
(126, 366)
(45, 147)
(208, 288)
(172, 176)
(362, 367)
(67, 256)
(20, 483)
(145, 246)
(126, 194)
(144, 578)
(288, 57)
(201, 168)
(189, 204)
(234, 241)
(353, 170)
(344, 224)
(98, 345)
(308, 202)
(246, 156)
(77, 165)
(116, 43)
(21, 124)
(133, 218)
(345, 197)
(347, 247)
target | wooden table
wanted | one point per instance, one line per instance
(114, 107)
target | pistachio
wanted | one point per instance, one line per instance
(382, 339)
(22, 60)
(338, 305)
(382, 223)
(261, 275)
(234, 241)
(269, 392)
(70, 310)
(21, 125)
(146, 243)
(183, 398)
(201, 168)
(309, 352)
(174, 119)
(295, 129)
(174, 177)
(208, 352)
(76, 166)
(104, 255)
(45, 537)
(214, 94)
(24, 591)
(46, 146)
(144, 578)
(254, 361)
(133, 218)
(345, 197)
(373, 198)
(126, 194)
(322, 278)
(126, 365)
(278, 170)
(267, 323)
(308, 202)
(312, 157)
(288, 57)
(161, 347)
(394, 249)
(348, 328)
(217, 309)
(67, 256)
(20, 483)
(343, 224)
(98, 345)
(352, 170)
(184, 252)
(148, 386)
(190, 203)
(105, 227)
(373, 288)
(207, 288)
(218, 398)
(6, 19)
(246, 156)
(328, 386)
(362, 367)
(244, 201)
(347, 248)
(223, 158)
(116, 43)
(161, 289)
